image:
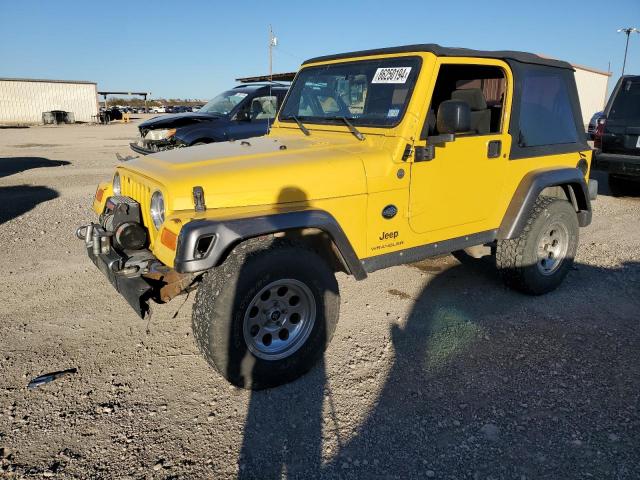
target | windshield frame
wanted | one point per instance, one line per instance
(335, 119)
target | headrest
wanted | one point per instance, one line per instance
(473, 96)
(269, 106)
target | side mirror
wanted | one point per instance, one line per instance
(453, 116)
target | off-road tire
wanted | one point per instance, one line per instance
(517, 259)
(621, 186)
(224, 297)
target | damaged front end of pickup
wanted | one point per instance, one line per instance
(118, 246)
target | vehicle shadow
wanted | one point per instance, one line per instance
(16, 200)
(283, 428)
(630, 189)
(489, 383)
(485, 383)
(12, 165)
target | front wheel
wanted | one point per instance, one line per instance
(265, 316)
(537, 261)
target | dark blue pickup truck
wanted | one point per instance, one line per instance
(242, 112)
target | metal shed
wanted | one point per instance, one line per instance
(592, 89)
(23, 100)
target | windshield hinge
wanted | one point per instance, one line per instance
(408, 150)
(198, 199)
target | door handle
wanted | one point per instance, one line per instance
(494, 149)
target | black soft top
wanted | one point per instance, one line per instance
(522, 57)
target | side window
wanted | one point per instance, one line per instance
(546, 115)
(482, 87)
(264, 108)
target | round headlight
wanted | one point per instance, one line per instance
(116, 184)
(157, 209)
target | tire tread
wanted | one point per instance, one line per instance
(510, 252)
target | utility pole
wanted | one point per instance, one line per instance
(627, 31)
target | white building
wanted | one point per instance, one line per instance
(592, 90)
(23, 100)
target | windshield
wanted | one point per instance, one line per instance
(626, 105)
(223, 103)
(368, 92)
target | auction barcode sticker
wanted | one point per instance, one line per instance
(391, 75)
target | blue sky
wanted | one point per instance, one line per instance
(194, 49)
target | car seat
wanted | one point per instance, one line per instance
(263, 108)
(480, 114)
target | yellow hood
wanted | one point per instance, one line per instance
(258, 171)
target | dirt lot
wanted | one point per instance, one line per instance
(435, 371)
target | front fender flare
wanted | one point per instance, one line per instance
(531, 186)
(228, 233)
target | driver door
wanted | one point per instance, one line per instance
(457, 191)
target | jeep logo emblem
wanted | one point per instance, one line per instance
(388, 235)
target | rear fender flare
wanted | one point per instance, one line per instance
(571, 180)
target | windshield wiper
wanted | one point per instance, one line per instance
(304, 129)
(356, 133)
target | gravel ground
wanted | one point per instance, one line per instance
(435, 371)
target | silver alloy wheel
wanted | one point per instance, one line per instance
(279, 319)
(552, 248)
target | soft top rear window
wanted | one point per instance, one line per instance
(546, 114)
(626, 104)
(366, 92)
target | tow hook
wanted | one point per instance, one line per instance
(96, 237)
(99, 241)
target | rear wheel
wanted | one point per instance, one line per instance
(266, 315)
(537, 261)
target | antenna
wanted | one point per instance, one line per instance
(273, 41)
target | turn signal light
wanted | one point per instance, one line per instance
(169, 239)
(99, 194)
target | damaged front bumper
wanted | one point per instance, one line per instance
(146, 147)
(138, 276)
(134, 289)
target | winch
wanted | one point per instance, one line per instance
(123, 219)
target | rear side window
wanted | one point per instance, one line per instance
(626, 104)
(546, 114)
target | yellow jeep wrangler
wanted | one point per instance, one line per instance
(377, 158)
